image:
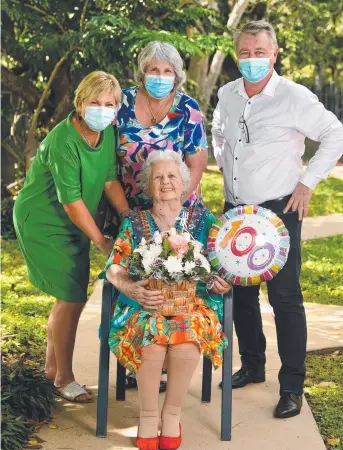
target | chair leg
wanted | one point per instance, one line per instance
(121, 382)
(104, 361)
(206, 380)
(226, 417)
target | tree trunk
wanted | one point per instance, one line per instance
(61, 92)
(33, 128)
(20, 85)
(206, 77)
(218, 59)
(197, 72)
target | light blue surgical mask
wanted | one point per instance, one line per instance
(254, 69)
(159, 86)
(99, 117)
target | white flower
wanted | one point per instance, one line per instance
(155, 250)
(186, 235)
(157, 237)
(197, 248)
(147, 263)
(189, 266)
(173, 264)
(142, 242)
(172, 231)
(204, 262)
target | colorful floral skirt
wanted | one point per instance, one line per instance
(133, 329)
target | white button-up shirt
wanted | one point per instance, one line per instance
(278, 120)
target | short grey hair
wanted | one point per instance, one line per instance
(163, 155)
(161, 51)
(256, 27)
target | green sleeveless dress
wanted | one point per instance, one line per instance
(65, 169)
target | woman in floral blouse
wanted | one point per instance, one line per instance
(156, 115)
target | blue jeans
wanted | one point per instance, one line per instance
(284, 293)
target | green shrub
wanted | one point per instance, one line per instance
(14, 432)
(25, 391)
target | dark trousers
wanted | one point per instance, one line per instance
(284, 293)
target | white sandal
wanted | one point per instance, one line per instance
(72, 391)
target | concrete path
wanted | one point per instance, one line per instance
(322, 226)
(254, 427)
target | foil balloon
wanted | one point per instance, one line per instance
(248, 245)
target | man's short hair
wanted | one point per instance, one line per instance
(256, 27)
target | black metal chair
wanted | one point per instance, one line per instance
(226, 414)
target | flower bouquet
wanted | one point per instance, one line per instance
(173, 263)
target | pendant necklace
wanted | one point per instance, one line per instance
(85, 136)
(155, 116)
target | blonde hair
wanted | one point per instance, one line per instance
(95, 83)
(256, 27)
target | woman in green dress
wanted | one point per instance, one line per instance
(54, 216)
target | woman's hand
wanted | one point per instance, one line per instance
(148, 299)
(105, 245)
(220, 286)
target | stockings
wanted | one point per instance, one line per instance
(148, 381)
(182, 361)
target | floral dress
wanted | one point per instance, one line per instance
(133, 328)
(182, 130)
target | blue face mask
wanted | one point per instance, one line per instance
(159, 86)
(99, 117)
(254, 69)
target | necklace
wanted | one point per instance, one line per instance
(85, 136)
(155, 116)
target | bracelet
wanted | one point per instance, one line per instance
(124, 213)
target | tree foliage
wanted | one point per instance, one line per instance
(85, 36)
(310, 36)
(49, 46)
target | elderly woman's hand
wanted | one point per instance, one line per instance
(148, 299)
(220, 286)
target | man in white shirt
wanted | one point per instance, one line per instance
(259, 128)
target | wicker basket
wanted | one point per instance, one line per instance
(179, 297)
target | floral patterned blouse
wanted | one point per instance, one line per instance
(182, 130)
(141, 224)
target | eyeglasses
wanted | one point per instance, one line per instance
(244, 127)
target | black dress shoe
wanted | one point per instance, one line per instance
(289, 405)
(245, 376)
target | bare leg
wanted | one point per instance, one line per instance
(182, 362)
(148, 379)
(64, 325)
(50, 359)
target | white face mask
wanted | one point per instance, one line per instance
(99, 117)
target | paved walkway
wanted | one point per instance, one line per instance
(322, 226)
(254, 427)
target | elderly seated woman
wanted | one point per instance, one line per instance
(140, 336)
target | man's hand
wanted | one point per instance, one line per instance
(300, 200)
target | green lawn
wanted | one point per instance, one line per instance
(327, 198)
(322, 270)
(25, 309)
(324, 393)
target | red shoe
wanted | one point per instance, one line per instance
(170, 443)
(147, 443)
